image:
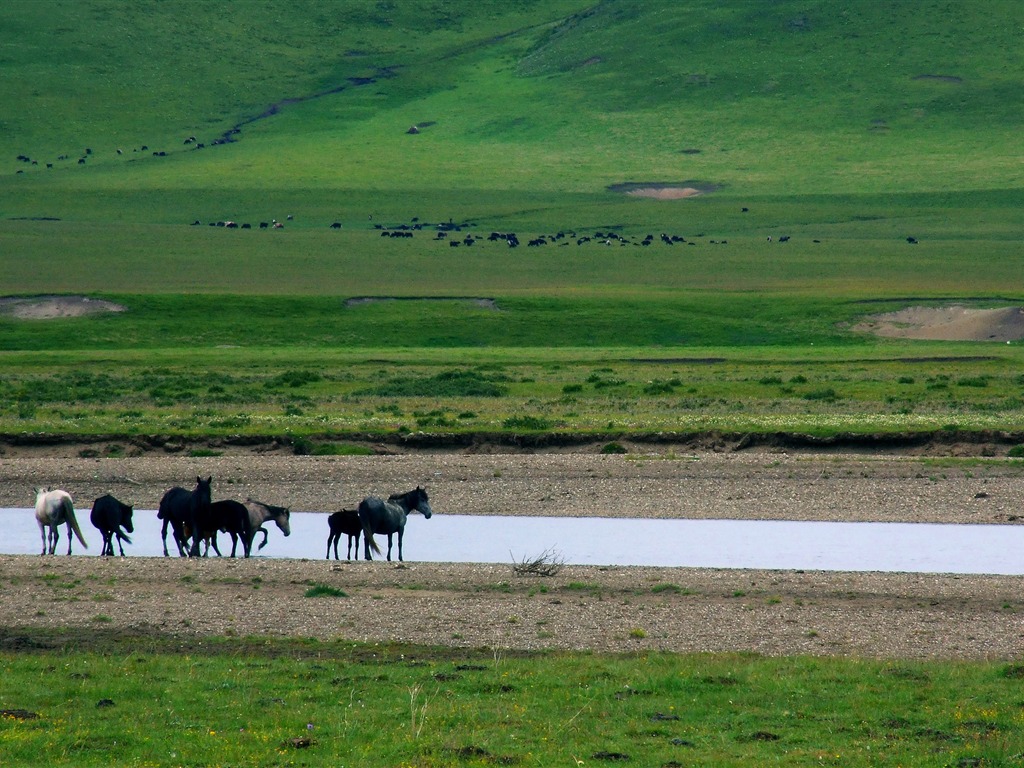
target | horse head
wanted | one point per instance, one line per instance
(282, 516)
(421, 503)
(202, 493)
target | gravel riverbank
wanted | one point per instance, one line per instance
(601, 609)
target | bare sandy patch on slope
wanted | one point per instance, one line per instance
(50, 307)
(952, 323)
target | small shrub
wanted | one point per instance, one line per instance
(1017, 452)
(341, 449)
(323, 590)
(613, 448)
(569, 389)
(659, 388)
(674, 589)
(973, 381)
(534, 423)
(827, 394)
(638, 633)
(547, 563)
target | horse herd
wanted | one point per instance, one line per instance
(194, 521)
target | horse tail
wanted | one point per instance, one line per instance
(373, 544)
(69, 512)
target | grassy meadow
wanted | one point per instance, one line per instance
(244, 701)
(846, 130)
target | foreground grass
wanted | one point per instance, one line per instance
(254, 702)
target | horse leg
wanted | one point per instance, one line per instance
(54, 538)
(42, 534)
(401, 533)
(389, 547)
(330, 538)
(367, 538)
(262, 530)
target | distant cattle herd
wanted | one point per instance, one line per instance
(455, 235)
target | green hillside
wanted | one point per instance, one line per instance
(839, 160)
(750, 98)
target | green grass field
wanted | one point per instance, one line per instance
(847, 130)
(254, 702)
(846, 127)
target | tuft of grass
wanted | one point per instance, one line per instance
(324, 590)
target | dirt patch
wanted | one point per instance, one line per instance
(663, 190)
(50, 307)
(952, 323)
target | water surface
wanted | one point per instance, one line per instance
(767, 544)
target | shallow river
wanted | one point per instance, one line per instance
(893, 547)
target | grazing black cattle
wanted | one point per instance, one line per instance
(784, 239)
(345, 521)
(336, 225)
(264, 224)
(196, 223)
(110, 515)
(229, 516)
(912, 240)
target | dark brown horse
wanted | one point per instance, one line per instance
(110, 515)
(344, 521)
(179, 508)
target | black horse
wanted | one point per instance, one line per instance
(379, 516)
(110, 515)
(345, 521)
(179, 508)
(229, 516)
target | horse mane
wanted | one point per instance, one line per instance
(417, 491)
(275, 510)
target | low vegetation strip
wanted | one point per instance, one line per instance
(253, 701)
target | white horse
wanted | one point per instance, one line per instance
(53, 509)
